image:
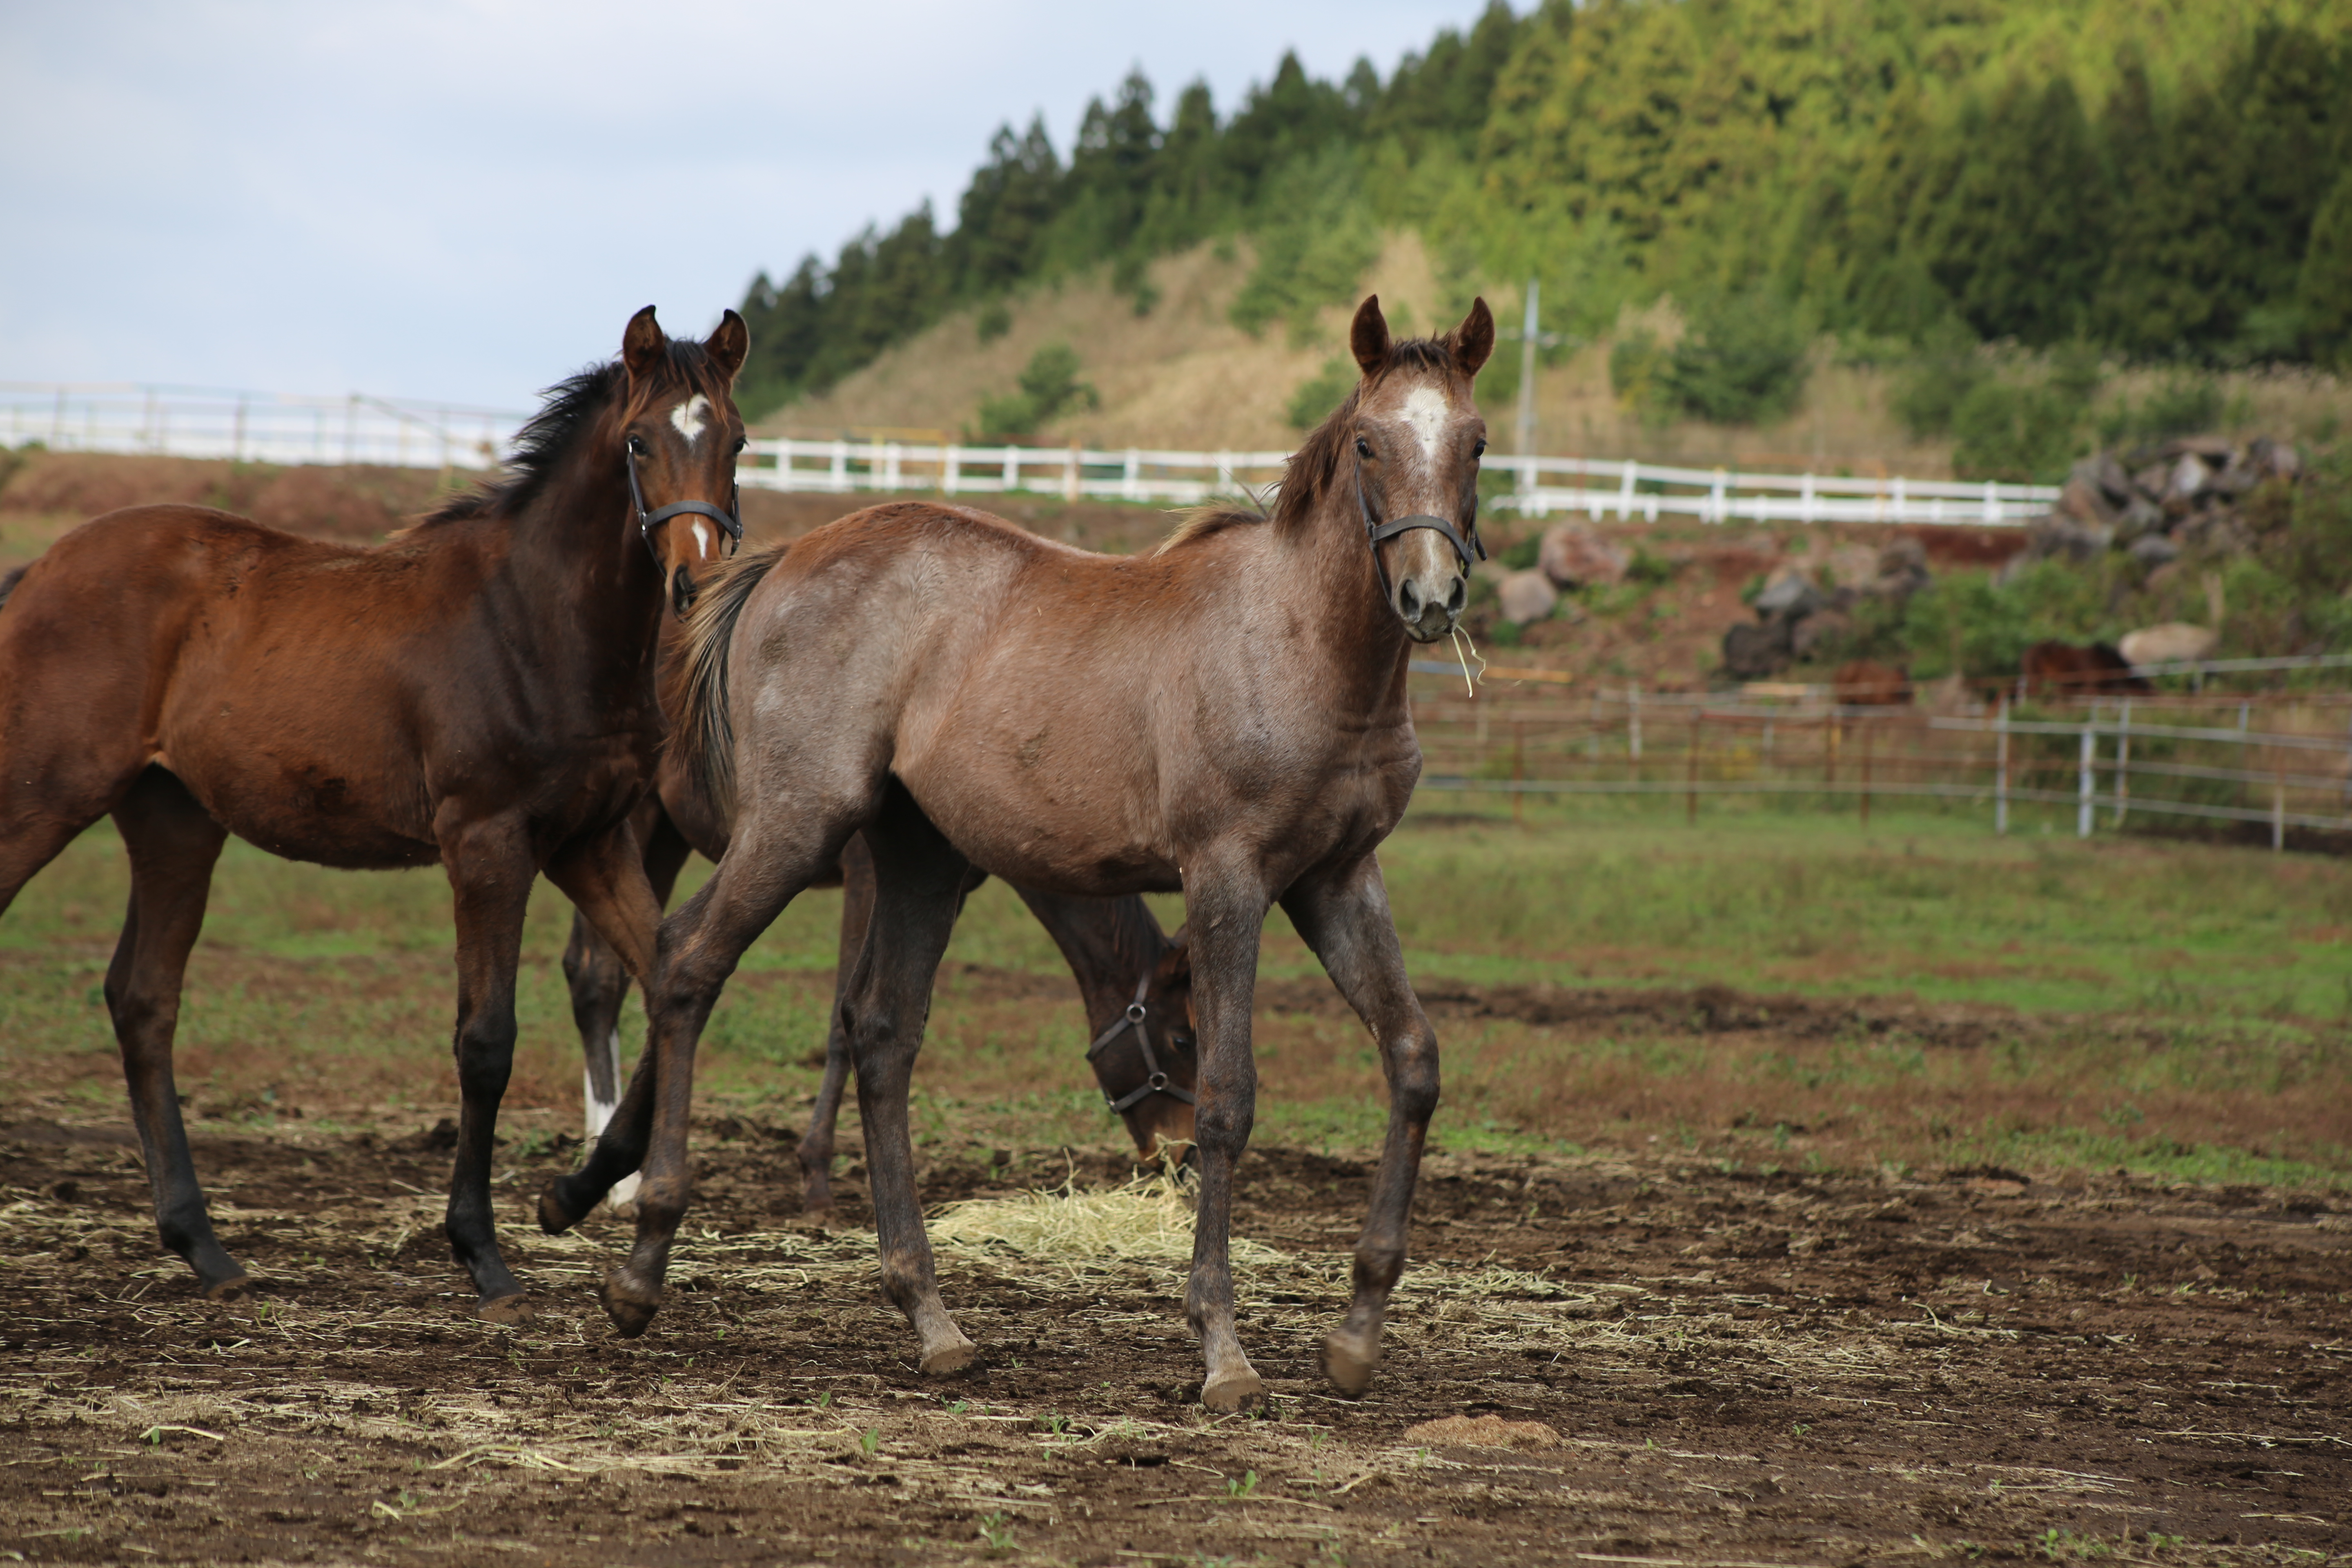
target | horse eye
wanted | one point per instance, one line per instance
(1480, 449)
(740, 443)
(1363, 447)
(637, 445)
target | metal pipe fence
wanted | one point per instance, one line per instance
(2278, 758)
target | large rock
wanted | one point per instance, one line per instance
(1790, 595)
(2140, 516)
(2153, 550)
(1755, 652)
(2190, 475)
(1526, 597)
(1822, 628)
(2175, 642)
(2084, 500)
(1902, 569)
(1572, 555)
(2064, 537)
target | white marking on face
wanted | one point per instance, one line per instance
(690, 417)
(701, 541)
(1426, 413)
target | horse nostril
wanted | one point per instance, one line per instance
(682, 591)
(1409, 600)
(1459, 596)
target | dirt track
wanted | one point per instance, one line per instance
(1725, 1368)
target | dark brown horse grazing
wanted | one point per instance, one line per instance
(1136, 986)
(2066, 669)
(477, 693)
(1226, 717)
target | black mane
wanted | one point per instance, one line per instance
(571, 405)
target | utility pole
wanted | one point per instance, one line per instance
(1527, 344)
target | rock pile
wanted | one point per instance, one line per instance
(1570, 556)
(1795, 617)
(2156, 502)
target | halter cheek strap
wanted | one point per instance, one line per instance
(730, 520)
(1377, 533)
(1156, 1078)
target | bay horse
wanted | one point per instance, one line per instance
(1133, 980)
(2063, 669)
(1226, 717)
(477, 692)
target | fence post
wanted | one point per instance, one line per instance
(2123, 765)
(839, 474)
(1132, 480)
(1518, 768)
(2083, 784)
(1868, 732)
(952, 467)
(1719, 500)
(1634, 725)
(1626, 494)
(1831, 736)
(1690, 770)
(2000, 765)
(1070, 473)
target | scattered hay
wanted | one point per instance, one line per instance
(1482, 1432)
(1149, 1220)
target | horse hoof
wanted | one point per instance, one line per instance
(510, 1311)
(235, 1289)
(1348, 1364)
(629, 1304)
(950, 1358)
(1233, 1392)
(554, 1219)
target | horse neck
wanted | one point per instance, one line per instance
(1324, 560)
(572, 551)
(1110, 944)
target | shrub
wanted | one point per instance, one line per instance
(2182, 406)
(993, 321)
(1739, 362)
(1321, 393)
(2019, 432)
(1048, 385)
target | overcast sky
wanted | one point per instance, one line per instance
(465, 199)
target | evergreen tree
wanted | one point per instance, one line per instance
(2016, 241)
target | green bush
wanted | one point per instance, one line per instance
(1739, 362)
(2183, 405)
(1522, 556)
(2015, 431)
(1048, 385)
(1321, 393)
(993, 321)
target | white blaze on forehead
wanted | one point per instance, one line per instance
(701, 539)
(1426, 413)
(690, 416)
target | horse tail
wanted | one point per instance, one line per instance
(705, 728)
(8, 584)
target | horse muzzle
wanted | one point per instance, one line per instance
(1429, 603)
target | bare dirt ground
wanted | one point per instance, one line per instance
(1659, 1361)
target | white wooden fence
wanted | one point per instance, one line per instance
(254, 427)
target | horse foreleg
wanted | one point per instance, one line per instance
(919, 888)
(490, 873)
(856, 912)
(598, 977)
(1223, 917)
(174, 844)
(1345, 918)
(698, 948)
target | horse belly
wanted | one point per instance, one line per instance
(1044, 829)
(358, 811)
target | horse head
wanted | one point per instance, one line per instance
(681, 434)
(1417, 440)
(1149, 1064)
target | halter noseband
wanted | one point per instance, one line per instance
(1377, 533)
(730, 520)
(1156, 1077)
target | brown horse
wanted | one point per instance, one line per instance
(2063, 670)
(1226, 717)
(1135, 983)
(477, 693)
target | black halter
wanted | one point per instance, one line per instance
(1377, 533)
(730, 520)
(1156, 1078)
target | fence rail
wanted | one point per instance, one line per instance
(2281, 759)
(202, 422)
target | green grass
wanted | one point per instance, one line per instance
(2180, 1009)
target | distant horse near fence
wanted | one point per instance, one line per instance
(2067, 670)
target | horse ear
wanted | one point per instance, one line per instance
(1369, 336)
(1474, 339)
(642, 344)
(728, 342)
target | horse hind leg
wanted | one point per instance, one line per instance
(919, 886)
(857, 915)
(173, 845)
(599, 985)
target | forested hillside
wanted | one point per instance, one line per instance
(2149, 180)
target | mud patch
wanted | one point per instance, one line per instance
(1819, 1369)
